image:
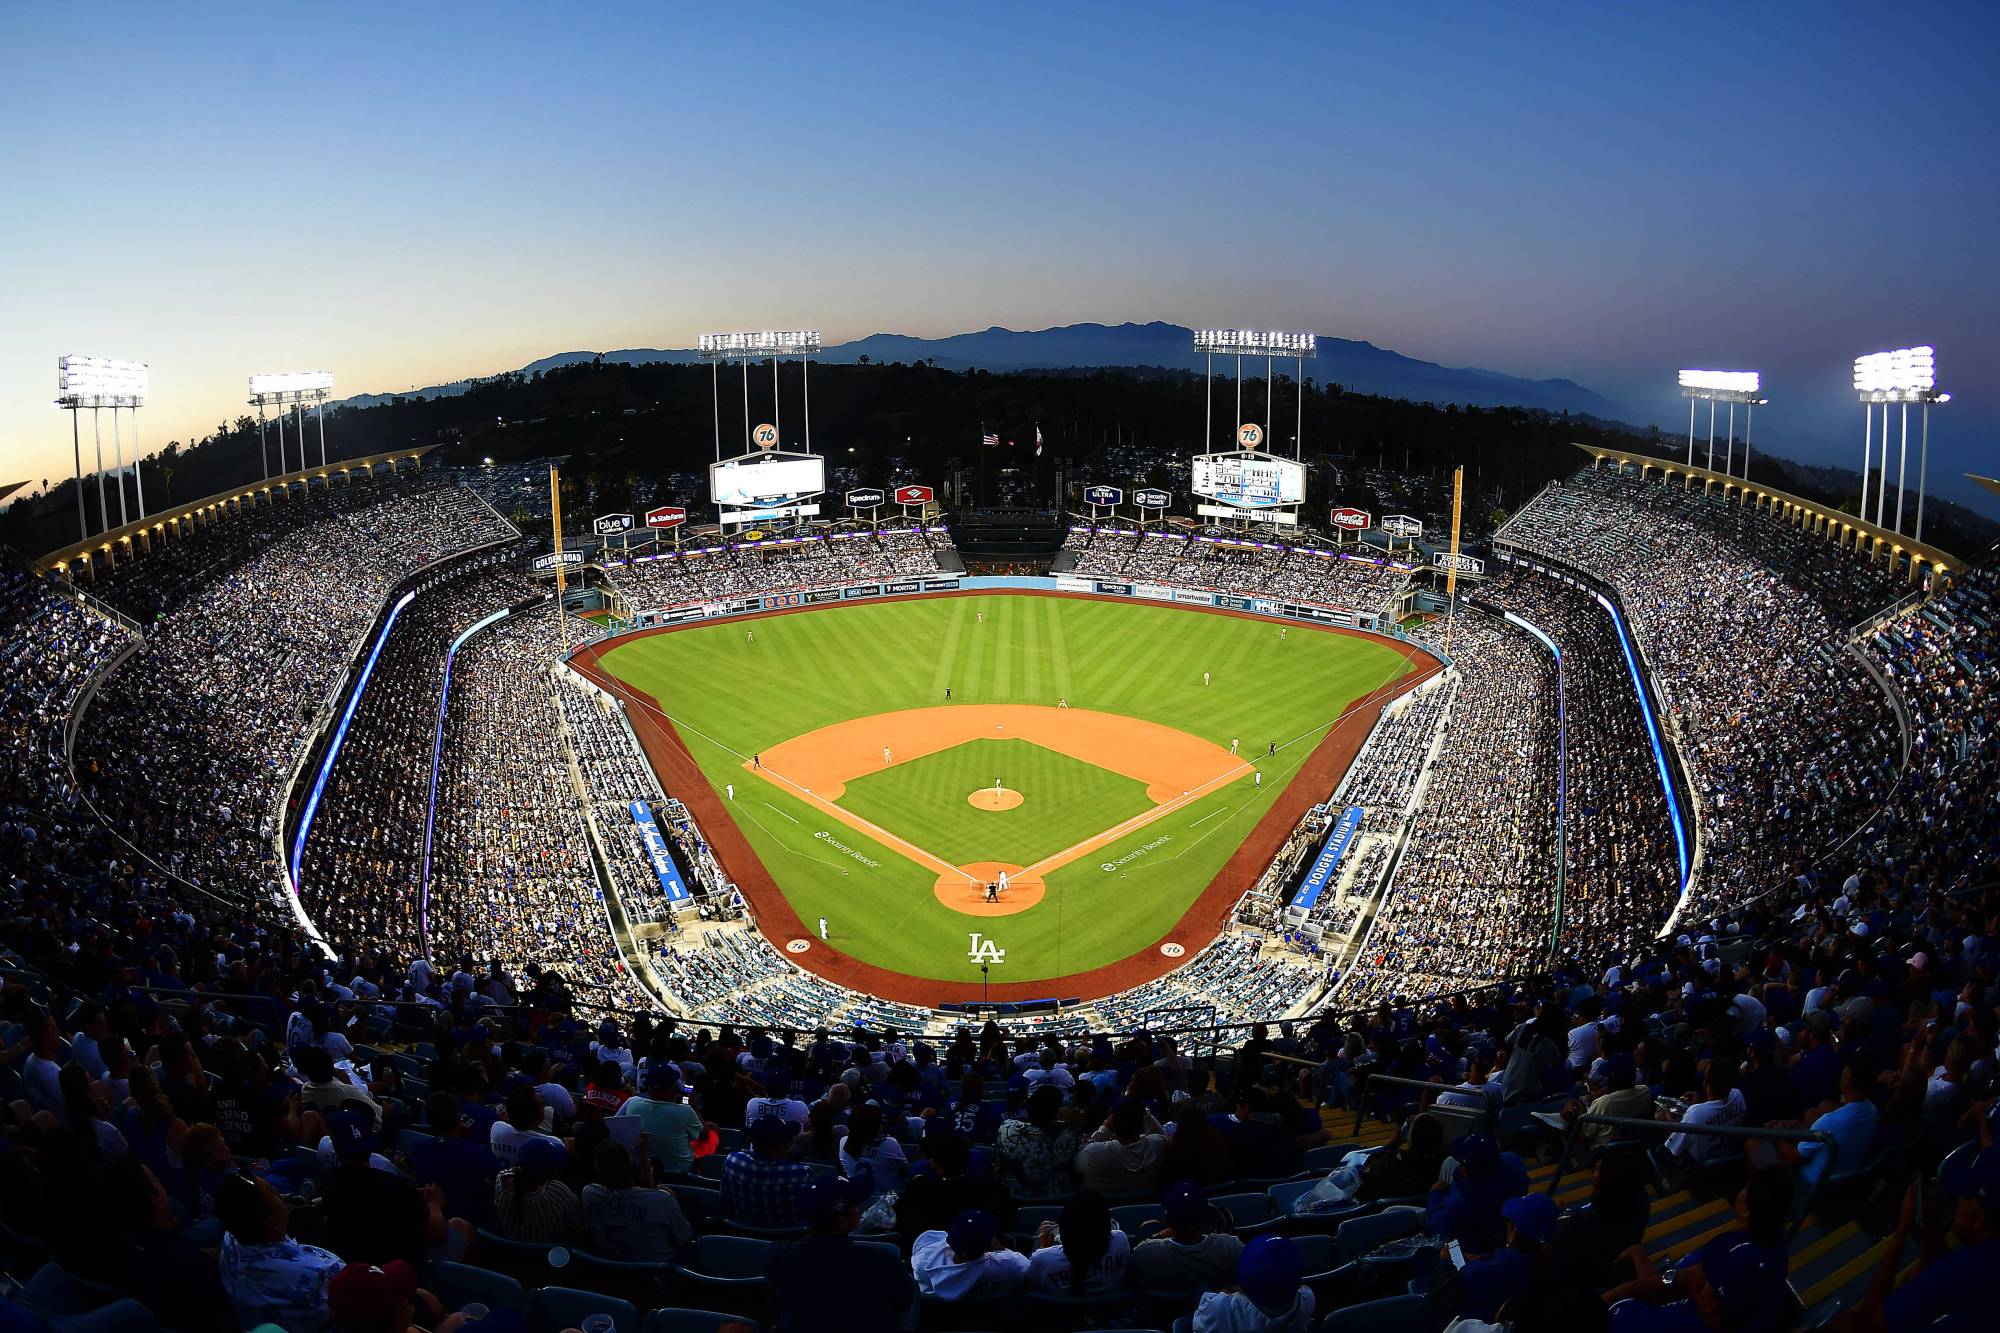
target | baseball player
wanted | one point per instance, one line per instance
(885, 754)
(996, 788)
(1232, 744)
(1003, 881)
(1204, 678)
(947, 694)
(749, 636)
(822, 929)
(730, 787)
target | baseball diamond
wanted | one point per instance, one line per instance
(1080, 753)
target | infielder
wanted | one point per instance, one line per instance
(885, 754)
(1232, 744)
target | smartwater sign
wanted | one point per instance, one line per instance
(1328, 861)
(656, 849)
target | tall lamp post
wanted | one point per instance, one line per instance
(1269, 344)
(1722, 386)
(295, 389)
(97, 382)
(1901, 377)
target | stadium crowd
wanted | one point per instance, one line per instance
(779, 565)
(1793, 745)
(1248, 569)
(207, 1117)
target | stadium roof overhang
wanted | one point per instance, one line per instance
(1990, 483)
(1921, 553)
(120, 539)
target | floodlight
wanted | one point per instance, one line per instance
(1255, 342)
(305, 383)
(1721, 381)
(96, 381)
(1907, 370)
(780, 342)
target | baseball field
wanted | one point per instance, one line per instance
(885, 763)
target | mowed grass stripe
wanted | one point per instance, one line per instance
(1137, 659)
(1003, 650)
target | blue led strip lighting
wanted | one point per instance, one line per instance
(339, 735)
(1653, 735)
(437, 756)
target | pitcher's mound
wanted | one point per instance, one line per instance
(987, 798)
(968, 895)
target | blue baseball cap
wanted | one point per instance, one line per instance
(541, 1154)
(1185, 1205)
(823, 1199)
(1269, 1270)
(772, 1130)
(1477, 1153)
(352, 1133)
(1533, 1215)
(972, 1233)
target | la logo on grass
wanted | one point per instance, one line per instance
(985, 950)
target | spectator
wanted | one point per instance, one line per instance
(825, 1282)
(271, 1278)
(944, 1190)
(1409, 1166)
(1851, 1123)
(967, 1262)
(1123, 1155)
(761, 1183)
(532, 1203)
(1260, 1143)
(159, 1266)
(385, 1298)
(1039, 1154)
(463, 1167)
(1196, 1150)
(1268, 1298)
(632, 1221)
(1091, 1257)
(371, 1216)
(1591, 1238)
(1723, 1105)
(868, 1152)
(1185, 1257)
(1468, 1209)
(1484, 1284)
(671, 1126)
(527, 1119)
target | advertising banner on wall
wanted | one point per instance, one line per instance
(664, 869)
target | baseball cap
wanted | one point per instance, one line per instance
(352, 1133)
(1600, 1070)
(1269, 1270)
(1185, 1204)
(662, 1077)
(369, 1293)
(1974, 1177)
(772, 1130)
(824, 1198)
(1476, 1153)
(1746, 1281)
(541, 1154)
(971, 1233)
(1533, 1215)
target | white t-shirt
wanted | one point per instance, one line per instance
(1701, 1147)
(987, 1277)
(1582, 1044)
(506, 1141)
(1049, 1269)
(791, 1108)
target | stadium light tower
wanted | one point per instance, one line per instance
(1268, 344)
(292, 390)
(1904, 376)
(1722, 386)
(96, 382)
(715, 348)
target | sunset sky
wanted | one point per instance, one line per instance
(412, 194)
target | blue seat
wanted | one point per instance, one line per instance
(1327, 1156)
(121, 1316)
(1285, 1197)
(693, 1321)
(529, 1260)
(1391, 1314)
(1133, 1218)
(457, 1285)
(1358, 1235)
(727, 1261)
(1029, 1218)
(55, 1290)
(1047, 1309)
(553, 1309)
(1316, 1252)
(1244, 1210)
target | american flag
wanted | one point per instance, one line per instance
(991, 439)
(1038, 441)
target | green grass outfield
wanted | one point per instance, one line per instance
(731, 698)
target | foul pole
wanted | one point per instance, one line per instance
(1451, 571)
(555, 522)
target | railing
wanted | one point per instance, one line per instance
(1627, 1125)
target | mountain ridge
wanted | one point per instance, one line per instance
(1356, 365)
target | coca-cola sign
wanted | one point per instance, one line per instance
(1351, 520)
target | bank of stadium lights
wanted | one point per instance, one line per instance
(97, 382)
(290, 391)
(1904, 376)
(1269, 344)
(1723, 386)
(715, 348)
